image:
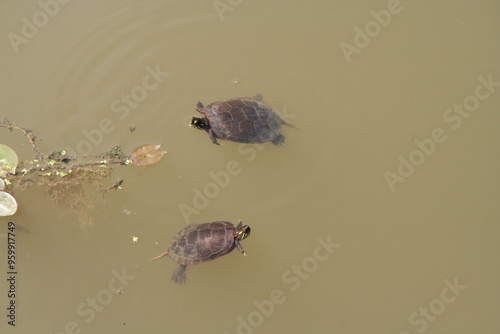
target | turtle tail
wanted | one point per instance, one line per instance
(159, 256)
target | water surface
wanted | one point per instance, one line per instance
(379, 214)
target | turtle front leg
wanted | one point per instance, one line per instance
(213, 137)
(239, 247)
(199, 107)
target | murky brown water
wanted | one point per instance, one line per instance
(379, 214)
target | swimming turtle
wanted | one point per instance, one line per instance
(204, 242)
(243, 120)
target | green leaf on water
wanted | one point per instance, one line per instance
(8, 160)
(8, 204)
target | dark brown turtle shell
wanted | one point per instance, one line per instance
(243, 120)
(204, 242)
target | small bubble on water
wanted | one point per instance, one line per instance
(128, 212)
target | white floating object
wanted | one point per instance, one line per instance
(8, 204)
(8, 160)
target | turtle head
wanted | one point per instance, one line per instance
(242, 232)
(200, 123)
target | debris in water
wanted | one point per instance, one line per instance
(146, 155)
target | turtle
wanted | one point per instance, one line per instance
(243, 120)
(198, 243)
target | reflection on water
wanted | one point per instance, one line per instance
(380, 203)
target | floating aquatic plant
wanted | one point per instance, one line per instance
(71, 181)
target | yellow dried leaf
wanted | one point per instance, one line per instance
(146, 155)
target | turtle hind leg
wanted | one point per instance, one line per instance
(279, 140)
(213, 137)
(179, 275)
